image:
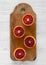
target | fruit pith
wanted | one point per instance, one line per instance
(29, 41)
(27, 19)
(18, 31)
(19, 54)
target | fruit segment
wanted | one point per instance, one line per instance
(27, 20)
(29, 41)
(19, 53)
(18, 31)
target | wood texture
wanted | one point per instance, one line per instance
(15, 19)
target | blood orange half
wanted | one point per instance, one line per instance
(19, 53)
(18, 31)
(29, 41)
(28, 19)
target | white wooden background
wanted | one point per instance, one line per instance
(6, 7)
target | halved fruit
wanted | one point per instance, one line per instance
(18, 31)
(19, 53)
(28, 19)
(29, 41)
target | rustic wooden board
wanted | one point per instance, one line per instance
(15, 19)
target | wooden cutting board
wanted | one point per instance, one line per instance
(15, 20)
